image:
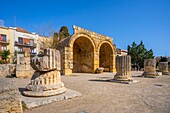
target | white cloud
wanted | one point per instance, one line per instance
(2, 23)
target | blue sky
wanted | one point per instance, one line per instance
(123, 20)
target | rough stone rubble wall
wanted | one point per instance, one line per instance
(7, 69)
(10, 101)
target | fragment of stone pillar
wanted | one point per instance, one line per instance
(49, 82)
(163, 67)
(123, 68)
(149, 68)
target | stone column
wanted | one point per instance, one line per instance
(163, 67)
(49, 82)
(123, 68)
(149, 68)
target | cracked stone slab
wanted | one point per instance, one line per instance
(32, 102)
(124, 82)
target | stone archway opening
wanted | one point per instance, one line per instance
(106, 57)
(83, 55)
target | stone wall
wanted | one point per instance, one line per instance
(10, 100)
(7, 69)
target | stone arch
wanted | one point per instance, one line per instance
(83, 49)
(106, 56)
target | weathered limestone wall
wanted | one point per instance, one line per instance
(7, 69)
(82, 52)
(10, 101)
(123, 67)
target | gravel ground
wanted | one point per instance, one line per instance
(149, 95)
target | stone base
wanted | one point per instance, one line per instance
(150, 74)
(31, 102)
(165, 73)
(124, 81)
(44, 93)
(122, 78)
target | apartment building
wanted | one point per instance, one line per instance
(121, 52)
(19, 40)
(24, 41)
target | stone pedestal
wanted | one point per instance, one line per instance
(123, 68)
(23, 68)
(49, 82)
(163, 67)
(149, 68)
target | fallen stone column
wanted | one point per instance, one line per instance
(150, 68)
(49, 82)
(163, 67)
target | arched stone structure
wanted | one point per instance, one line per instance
(83, 55)
(105, 56)
(85, 51)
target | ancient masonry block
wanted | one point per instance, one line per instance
(163, 67)
(49, 82)
(149, 68)
(123, 68)
(23, 68)
(10, 100)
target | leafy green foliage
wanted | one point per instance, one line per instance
(4, 55)
(163, 59)
(63, 33)
(138, 53)
(57, 37)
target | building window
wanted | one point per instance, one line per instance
(3, 47)
(20, 40)
(20, 49)
(3, 37)
(42, 45)
(32, 51)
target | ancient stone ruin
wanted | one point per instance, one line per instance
(48, 83)
(10, 99)
(23, 68)
(149, 68)
(85, 51)
(163, 67)
(123, 67)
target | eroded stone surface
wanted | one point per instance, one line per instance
(48, 82)
(123, 68)
(163, 67)
(23, 68)
(31, 102)
(149, 68)
(10, 100)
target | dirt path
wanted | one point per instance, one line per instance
(150, 95)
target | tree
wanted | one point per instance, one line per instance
(163, 59)
(4, 55)
(55, 40)
(138, 53)
(63, 33)
(57, 37)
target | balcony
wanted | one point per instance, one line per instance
(26, 44)
(4, 42)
